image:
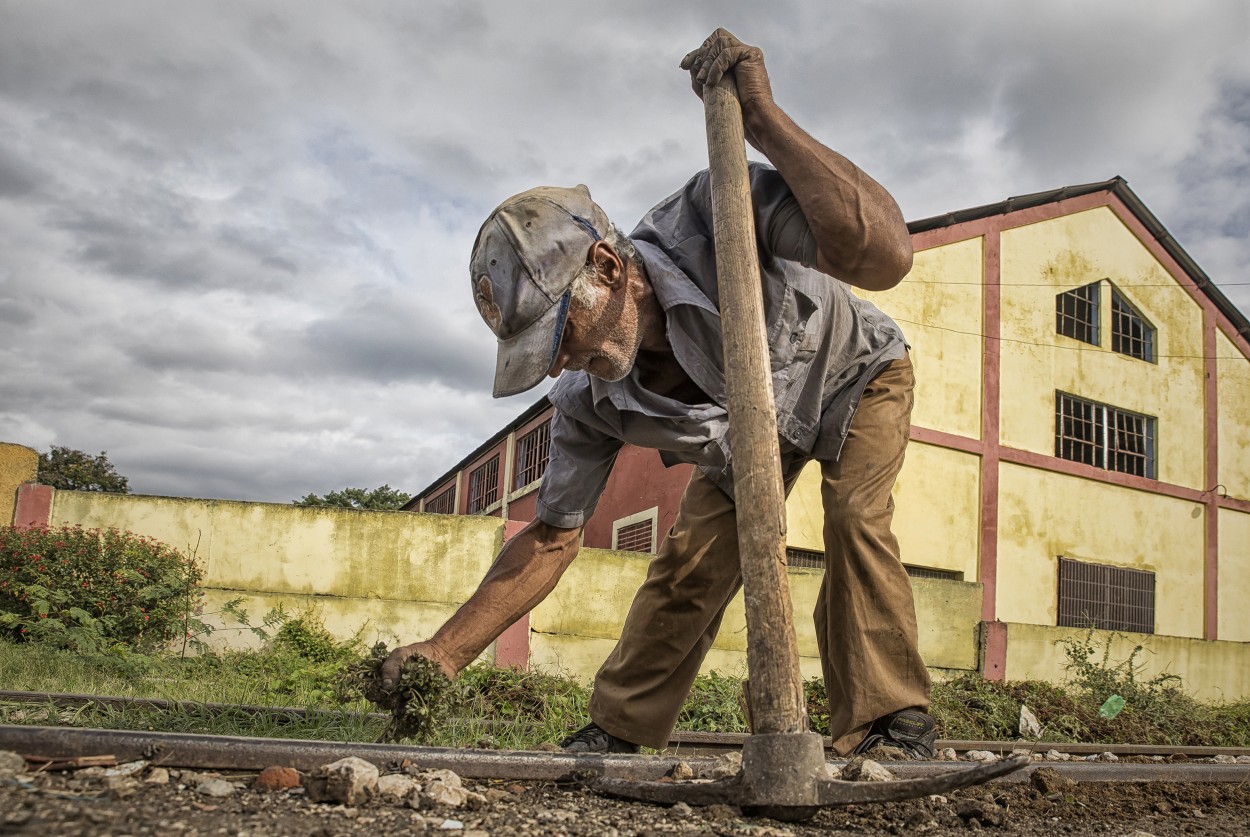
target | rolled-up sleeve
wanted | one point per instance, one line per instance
(581, 461)
(780, 223)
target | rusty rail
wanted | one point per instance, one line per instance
(681, 743)
(215, 752)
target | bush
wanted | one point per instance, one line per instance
(92, 589)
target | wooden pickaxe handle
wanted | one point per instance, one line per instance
(776, 684)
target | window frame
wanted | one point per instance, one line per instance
(481, 497)
(449, 493)
(1123, 593)
(1130, 313)
(528, 472)
(1104, 419)
(1089, 295)
(651, 516)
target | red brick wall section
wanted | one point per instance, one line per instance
(512, 648)
(34, 506)
(638, 482)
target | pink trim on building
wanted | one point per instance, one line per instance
(34, 506)
(991, 375)
(994, 654)
(512, 647)
(1211, 562)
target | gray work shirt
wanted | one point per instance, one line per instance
(825, 345)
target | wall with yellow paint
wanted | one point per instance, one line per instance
(944, 287)
(1234, 576)
(398, 576)
(576, 627)
(937, 501)
(1233, 389)
(287, 549)
(1046, 258)
(1043, 515)
(1212, 671)
(18, 464)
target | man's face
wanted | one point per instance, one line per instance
(602, 336)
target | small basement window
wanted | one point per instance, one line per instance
(807, 559)
(484, 485)
(932, 572)
(811, 559)
(1106, 597)
(636, 533)
(1076, 313)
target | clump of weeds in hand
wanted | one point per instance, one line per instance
(418, 702)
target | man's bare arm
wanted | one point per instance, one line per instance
(861, 237)
(526, 571)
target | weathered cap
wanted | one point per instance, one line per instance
(524, 261)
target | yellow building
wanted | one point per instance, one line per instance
(1081, 435)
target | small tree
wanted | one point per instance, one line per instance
(383, 498)
(74, 470)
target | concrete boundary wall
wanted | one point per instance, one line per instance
(18, 464)
(395, 576)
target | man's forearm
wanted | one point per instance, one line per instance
(860, 233)
(526, 571)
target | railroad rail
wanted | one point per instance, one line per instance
(70, 745)
(681, 744)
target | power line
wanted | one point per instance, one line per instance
(1057, 345)
(1082, 285)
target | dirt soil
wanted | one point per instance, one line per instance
(76, 804)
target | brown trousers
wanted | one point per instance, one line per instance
(865, 616)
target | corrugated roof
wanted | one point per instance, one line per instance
(1116, 185)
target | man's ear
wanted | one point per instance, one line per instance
(611, 268)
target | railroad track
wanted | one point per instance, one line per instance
(238, 753)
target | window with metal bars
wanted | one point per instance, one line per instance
(443, 503)
(1104, 436)
(484, 485)
(532, 451)
(931, 572)
(806, 559)
(1076, 313)
(1131, 333)
(636, 537)
(810, 559)
(1104, 597)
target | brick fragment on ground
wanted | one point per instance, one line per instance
(277, 778)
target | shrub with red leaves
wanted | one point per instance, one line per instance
(94, 589)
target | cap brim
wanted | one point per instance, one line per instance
(524, 358)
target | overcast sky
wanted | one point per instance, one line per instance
(234, 237)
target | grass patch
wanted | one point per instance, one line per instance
(511, 709)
